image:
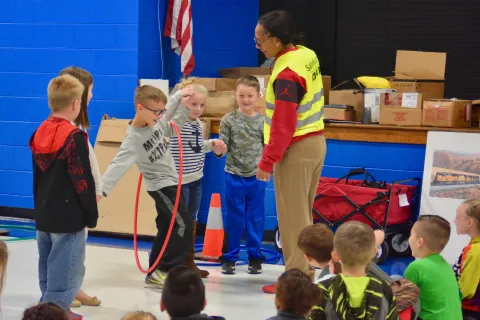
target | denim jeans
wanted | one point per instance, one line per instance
(192, 194)
(60, 266)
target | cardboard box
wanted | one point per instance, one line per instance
(371, 104)
(236, 73)
(219, 103)
(422, 72)
(476, 112)
(401, 116)
(338, 113)
(116, 210)
(327, 87)
(401, 100)
(352, 98)
(447, 113)
(213, 84)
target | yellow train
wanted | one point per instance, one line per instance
(445, 178)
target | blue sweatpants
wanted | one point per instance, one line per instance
(245, 210)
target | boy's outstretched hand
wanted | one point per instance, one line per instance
(219, 147)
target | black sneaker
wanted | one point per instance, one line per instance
(255, 266)
(228, 267)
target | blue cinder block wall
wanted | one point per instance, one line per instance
(37, 40)
(118, 42)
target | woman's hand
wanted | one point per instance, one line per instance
(263, 175)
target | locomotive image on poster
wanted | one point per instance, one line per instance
(449, 178)
(455, 175)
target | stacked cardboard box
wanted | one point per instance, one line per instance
(401, 109)
(422, 72)
(452, 113)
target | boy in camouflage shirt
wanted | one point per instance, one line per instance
(242, 132)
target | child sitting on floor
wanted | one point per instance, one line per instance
(183, 295)
(295, 296)
(439, 293)
(45, 311)
(353, 293)
(467, 268)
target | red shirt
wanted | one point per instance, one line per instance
(289, 90)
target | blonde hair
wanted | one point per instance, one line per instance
(473, 210)
(63, 91)
(149, 93)
(193, 83)
(355, 243)
(434, 230)
(139, 315)
(249, 81)
(3, 264)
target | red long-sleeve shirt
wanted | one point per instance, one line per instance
(290, 89)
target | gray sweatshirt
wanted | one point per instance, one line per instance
(149, 150)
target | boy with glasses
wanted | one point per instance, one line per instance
(145, 145)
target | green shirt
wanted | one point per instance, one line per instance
(439, 298)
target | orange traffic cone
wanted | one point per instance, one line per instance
(213, 242)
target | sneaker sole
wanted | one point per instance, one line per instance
(229, 273)
(255, 272)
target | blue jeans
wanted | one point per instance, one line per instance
(245, 210)
(192, 194)
(60, 266)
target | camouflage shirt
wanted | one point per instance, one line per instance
(244, 139)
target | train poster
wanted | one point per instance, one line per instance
(455, 175)
(451, 175)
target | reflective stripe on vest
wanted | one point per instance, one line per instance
(305, 107)
(301, 123)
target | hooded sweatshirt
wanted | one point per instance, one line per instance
(348, 298)
(63, 185)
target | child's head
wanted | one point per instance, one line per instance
(150, 104)
(467, 220)
(196, 104)
(316, 242)
(354, 245)
(183, 293)
(139, 315)
(429, 235)
(64, 96)
(3, 264)
(247, 93)
(45, 311)
(87, 80)
(296, 293)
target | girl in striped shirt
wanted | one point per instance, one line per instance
(194, 149)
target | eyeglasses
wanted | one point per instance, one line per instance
(156, 112)
(259, 43)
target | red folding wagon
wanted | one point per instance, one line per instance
(391, 207)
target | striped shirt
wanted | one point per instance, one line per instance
(194, 149)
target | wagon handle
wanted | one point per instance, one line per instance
(356, 172)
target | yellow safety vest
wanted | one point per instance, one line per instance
(304, 62)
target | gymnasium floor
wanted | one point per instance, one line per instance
(112, 275)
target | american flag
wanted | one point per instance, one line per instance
(178, 27)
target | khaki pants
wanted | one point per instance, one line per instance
(296, 180)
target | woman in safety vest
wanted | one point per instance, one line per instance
(294, 143)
